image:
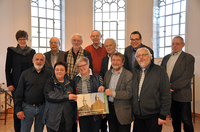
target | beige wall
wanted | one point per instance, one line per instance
(15, 15)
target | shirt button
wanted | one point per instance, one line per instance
(138, 99)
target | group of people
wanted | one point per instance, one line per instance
(45, 86)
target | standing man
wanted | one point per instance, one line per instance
(180, 69)
(30, 95)
(110, 45)
(136, 43)
(118, 85)
(97, 50)
(55, 54)
(151, 93)
(74, 54)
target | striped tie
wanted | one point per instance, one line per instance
(141, 82)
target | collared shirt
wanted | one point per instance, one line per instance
(90, 73)
(96, 47)
(54, 58)
(30, 88)
(113, 83)
(145, 71)
(171, 62)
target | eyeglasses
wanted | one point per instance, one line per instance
(21, 40)
(93, 36)
(177, 43)
(74, 40)
(135, 39)
(82, 65)
(53, 42)
(143, 55)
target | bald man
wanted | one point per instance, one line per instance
(30, 95)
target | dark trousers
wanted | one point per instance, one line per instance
(61, 128)
(181, 111)
(114, 125)
(148, 125)
(17, 121)
(103, 127)
(74, 127)
(87, 124)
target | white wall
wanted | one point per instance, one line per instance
(15, 15)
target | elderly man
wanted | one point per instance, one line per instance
(180, 68)
(151, 93)
(30, 95)
(74, 54)
(55, 54)
(110, 45)
(118, 85)
(97, 50)
(136, 43)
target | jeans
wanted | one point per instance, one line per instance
(181, 111)
(32, 113)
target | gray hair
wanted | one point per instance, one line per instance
(182, 40)
(57, 39)
(114, 41)
(77, 34)
(97, 31)
(83, 58)
(144, 48)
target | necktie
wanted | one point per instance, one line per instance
(141, 82)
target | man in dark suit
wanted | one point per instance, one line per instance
(110, 45)
(54, 55)
(180, 68)
(118, 85)
(136, 43)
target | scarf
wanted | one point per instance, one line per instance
(72, 69)
(23, 52)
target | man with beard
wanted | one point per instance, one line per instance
(151, 93)
(30, 95)
(54, 55)
(118, 85)
(74, 54)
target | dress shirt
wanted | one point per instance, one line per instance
(54, 58)
(171, 62)
(96, 47)
(113, 83)
(31, 87)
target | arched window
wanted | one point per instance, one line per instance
(46, 18)
(109, 18)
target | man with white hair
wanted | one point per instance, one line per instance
(151, 93)
(74, 54)
(30, 95)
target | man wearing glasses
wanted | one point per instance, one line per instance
(151, 93)
(54, 55)
(136, 43)
(180, 69)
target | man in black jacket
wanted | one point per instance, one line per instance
(136, 43)
(151, 93)
(30, 95)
